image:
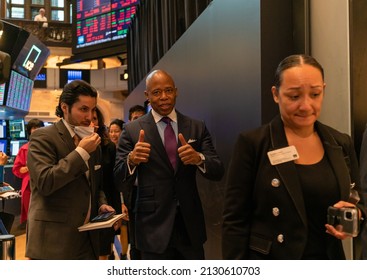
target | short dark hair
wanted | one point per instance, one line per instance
(293, 61)
(71, 93)
(136, 108)
(34, 123)
(118, 122)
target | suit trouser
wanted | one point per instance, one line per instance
(179, 247)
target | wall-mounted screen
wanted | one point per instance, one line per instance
(3, 145)
(68, 75)
(15, 146)
(31, 58)
(19, 92)
(41, 79)
(17, 129)
(101, 24)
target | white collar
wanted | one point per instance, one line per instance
(157, 117)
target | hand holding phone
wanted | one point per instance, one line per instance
(344, 219)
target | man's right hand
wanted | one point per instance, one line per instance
(90, 143)
(141, 151)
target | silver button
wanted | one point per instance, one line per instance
(276, 211)
(280, 238)
(275, 182)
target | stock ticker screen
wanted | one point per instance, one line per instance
(102, 21)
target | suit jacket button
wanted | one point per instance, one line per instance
(275, 182)
(276, 211)
(280, 238)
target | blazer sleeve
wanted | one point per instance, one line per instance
(213, 165)
(53, 164)
(124, 181)
(237, 200)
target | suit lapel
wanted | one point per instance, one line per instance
(287, 171)
(184, 125)
(152, 136)
(65, 135)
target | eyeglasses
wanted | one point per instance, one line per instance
(167, 91)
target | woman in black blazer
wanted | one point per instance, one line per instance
(284, 175)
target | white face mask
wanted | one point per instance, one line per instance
(83, 131)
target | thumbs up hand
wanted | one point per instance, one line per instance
(187, 153)
(141, 151)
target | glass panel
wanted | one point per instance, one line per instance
(57, 15)
(71, 13)
(20, 2)
(34, 12)
(57, 3)
(38, 2)
(17, 12)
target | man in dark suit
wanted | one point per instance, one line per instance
(169, 219)
(64, 162)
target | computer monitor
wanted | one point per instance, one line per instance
(3, 129)
(3, 145)
(15, 145)
(17, 129)
(2, 93)
(19, 92)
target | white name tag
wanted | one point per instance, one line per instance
(283, 155)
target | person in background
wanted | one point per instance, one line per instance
(107, 236)
(41, 17)
(115, 130)
(169, 218)
(135, 112)
(284, 175)
(20, 170)
(64, 161)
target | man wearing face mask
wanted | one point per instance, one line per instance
(65, 168)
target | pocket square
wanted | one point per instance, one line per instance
(191, 141)
(96, 167)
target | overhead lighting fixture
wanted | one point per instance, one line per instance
(125, 76)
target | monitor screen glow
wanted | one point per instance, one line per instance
(19, 92)
(3, 145)
(17, 129)
(15, 145)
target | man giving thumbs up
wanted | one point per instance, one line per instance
(162, 151)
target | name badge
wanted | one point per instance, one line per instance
(283, 155)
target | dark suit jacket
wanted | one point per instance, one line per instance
(160, 188)
(249, 227)
(60, 194)
(363, 169)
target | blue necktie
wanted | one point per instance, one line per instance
(170, 142)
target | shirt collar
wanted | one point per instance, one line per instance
(69, 127)
(157, 117)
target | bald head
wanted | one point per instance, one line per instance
(157, 74)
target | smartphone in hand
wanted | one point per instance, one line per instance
(346, 218)
(103, 217)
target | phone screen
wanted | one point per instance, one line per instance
(103, 217)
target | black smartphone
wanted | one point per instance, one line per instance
(103, 217)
